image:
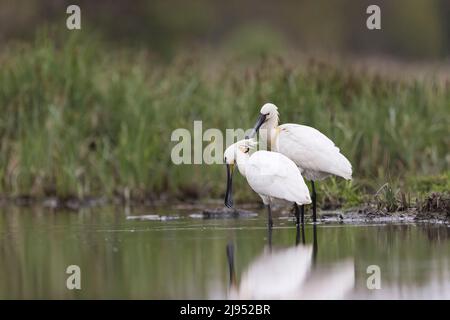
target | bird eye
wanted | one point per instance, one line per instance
(247, 149)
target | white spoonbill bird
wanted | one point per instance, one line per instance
(270, 174)
(314, 153)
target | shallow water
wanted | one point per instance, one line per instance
(186, 258)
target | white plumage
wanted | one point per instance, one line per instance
(315, 154)
(270, 174)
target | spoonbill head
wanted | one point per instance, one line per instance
(268, 115)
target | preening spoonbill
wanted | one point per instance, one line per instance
(313, 152)
(270, 174)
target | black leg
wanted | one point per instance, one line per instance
(297, 235)
(269, 238)
(297, 224)
(314, 198)
(303, 233)
(269, 212)
(315, 246)
(270, 225)
(230, 258)
(302, 214)
(297, 214)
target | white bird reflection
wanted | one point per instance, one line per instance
(291, 273)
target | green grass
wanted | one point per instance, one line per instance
(81, 119)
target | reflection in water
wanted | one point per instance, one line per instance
(291, 273)
(185, 259)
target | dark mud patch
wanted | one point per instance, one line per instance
(224, 213)
(366, 214)
(153, 217)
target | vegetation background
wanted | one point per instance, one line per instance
(89, 113)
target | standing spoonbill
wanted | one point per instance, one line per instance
(270, 174)
(314, 153)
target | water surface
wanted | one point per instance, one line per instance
(186, 258)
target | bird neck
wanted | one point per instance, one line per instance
(271, 123)
(241, 161)
(268, 132)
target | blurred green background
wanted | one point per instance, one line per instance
(90, 112)
(410, 28)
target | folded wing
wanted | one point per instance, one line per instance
(313, 151)
(273, 174)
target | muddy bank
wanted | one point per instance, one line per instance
(435, 209)
(368, 214)
(353, 215)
